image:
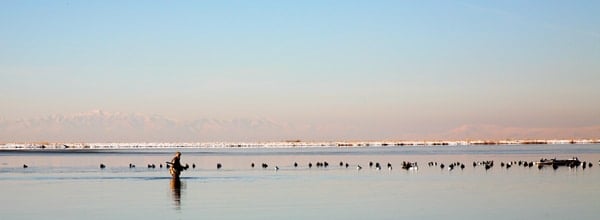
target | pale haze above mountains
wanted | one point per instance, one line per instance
(200, 71)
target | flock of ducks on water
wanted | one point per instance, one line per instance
(404, 165)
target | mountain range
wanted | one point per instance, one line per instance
(102, 126)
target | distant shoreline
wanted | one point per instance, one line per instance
(282, 144)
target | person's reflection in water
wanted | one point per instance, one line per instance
(176, 191)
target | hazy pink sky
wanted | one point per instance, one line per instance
(175, 71)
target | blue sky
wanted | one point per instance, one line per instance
(384, 68)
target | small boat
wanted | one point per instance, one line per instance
(555, 162)
(408, 165)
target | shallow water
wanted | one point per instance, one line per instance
(70, 185)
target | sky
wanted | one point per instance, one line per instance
(310, 70)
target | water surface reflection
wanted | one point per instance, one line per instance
(176, 186)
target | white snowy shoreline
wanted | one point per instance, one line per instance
(282, 144)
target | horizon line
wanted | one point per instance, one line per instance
(284, 143)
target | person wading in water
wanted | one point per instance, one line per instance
(176, 166)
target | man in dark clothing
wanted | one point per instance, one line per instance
(176, 166)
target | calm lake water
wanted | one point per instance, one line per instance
(70, 184)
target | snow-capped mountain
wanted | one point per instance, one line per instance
(106, 126)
